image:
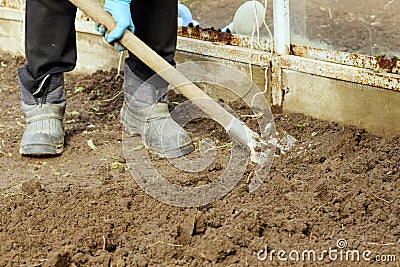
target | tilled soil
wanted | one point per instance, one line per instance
(338, 183)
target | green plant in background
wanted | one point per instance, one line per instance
(110, 116)
(380, 55)
(79, 89)
(115, 165)
(301, 126)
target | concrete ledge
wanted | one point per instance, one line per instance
(374, 109)
(11, 31)
(93, 53)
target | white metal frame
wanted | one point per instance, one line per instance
(338, 65)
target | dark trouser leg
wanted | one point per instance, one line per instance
(50, 51)
(155, 24)
(50, 40)
(145, 111)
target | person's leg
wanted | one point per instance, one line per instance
(50, 51)
(156, 24)
(145, 110)
(50, 40)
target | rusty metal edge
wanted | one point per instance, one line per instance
(377, 64)
(228, 52)
(341, 72)
(225, 38)
(296, 63)
(11, 14)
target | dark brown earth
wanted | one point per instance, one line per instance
(85, 209)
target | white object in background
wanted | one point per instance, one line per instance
(185, 16)
(247, 18)
(281, 27)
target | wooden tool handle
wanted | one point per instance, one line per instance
(160, 66)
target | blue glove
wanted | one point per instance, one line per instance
(121, 13)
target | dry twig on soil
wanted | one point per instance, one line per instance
(383, 244)
(164, 243)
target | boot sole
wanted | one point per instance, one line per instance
(41, 150)
(130, 129)
(182, 151)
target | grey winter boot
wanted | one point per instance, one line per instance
(44, 112)
(145, 112)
